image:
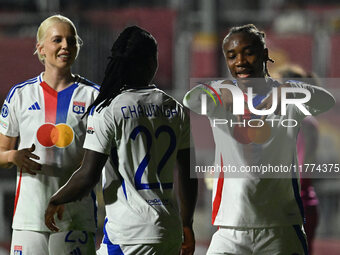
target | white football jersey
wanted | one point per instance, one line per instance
(250, 200)
(141, 130)
(51, 120)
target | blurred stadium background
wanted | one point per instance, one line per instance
(189, 34)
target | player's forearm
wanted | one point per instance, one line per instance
(6, 158)
(188, 194)
(83, 180)
(7, 150)
(77, 187)
(321, 100)
(187, 186)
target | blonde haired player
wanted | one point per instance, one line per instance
(44, 115)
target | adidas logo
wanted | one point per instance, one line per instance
(34, 106)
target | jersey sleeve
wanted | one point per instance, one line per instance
(203, 100)
(100, 132)
(8, 119)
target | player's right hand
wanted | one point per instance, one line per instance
(188, 245)
(23, 160)
(51, 210)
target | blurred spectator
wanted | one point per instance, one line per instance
(292, 18)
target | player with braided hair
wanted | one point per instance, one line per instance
(143, 131)
(256, 213)
(125, 57)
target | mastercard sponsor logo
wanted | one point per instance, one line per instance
(60, 135)
(256, 133)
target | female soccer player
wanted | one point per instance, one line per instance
(144, 132)
(43, 115)
(256, 213)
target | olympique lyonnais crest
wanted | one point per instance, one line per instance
(78, 107)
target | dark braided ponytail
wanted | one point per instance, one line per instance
(133, 63)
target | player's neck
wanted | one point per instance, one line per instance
(259, 85)
(58, 80)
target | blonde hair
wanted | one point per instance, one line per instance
(49, 22)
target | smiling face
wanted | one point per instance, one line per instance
(59, 46)
(245, 56)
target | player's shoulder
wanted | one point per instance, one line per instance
(137, 94)
(212, 84)
(166, 97)
(83, 82)
(22, 86)
(136, 97)
(171, 101)
(274, 83)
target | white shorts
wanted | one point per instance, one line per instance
(166, 248)
(60, 243)
(259, 241)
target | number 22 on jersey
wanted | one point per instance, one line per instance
(145, 161)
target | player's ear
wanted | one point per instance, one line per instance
(40, 48)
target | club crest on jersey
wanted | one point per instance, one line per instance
(78, 107)
(17, 250)
(4, 111)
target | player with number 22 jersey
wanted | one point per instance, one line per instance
(148, 128)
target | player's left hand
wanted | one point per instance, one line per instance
(51, 210)
(188, 246)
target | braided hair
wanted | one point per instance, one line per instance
(257, 35)
(133, 63)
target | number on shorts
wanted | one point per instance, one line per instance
(82, 240)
